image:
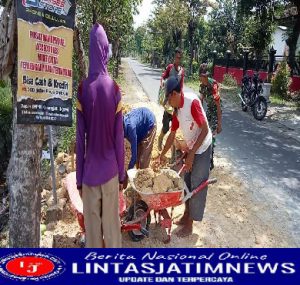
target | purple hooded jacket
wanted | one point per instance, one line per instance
(99, 134)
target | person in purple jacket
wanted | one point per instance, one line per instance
(100, 147)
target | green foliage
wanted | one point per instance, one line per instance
(5, 108)
(225, 27)
(259, 19)
(195, 68)
(165, 32)
(6, 113)
(45, 168)
(67, 136)
(229, 80)
(115, 16)
(282, 81)
(3, 2)
(193, 83)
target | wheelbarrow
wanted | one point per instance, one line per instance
(77, 205)
(136, 218)
(159, 203)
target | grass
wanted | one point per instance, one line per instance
(192, 83)
(230, 93)
(278, 100)
(121, 79)
(5, 109)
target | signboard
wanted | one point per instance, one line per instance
(144, 266)
(45, 47)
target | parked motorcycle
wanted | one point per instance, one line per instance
(252, 96)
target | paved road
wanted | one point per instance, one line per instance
(268, 161)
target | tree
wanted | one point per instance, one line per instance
(24, 180)
(226, 28)
(293, 24)
(3, 2)
(116, 18)
(168, 26)
(23, 174)
(259, 16)
(195, 10)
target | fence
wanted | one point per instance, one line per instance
(265, 66)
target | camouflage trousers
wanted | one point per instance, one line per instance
(212, 118)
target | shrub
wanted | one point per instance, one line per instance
(229, 80)
(281, 81)
(5, 124)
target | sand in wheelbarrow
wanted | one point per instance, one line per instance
(150, 182)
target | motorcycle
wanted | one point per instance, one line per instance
(252, 96)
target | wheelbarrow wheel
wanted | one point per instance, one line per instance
(140, 209)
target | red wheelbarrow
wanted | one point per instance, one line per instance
(159, 204)
(136, 218)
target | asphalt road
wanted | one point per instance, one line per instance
(268, 161)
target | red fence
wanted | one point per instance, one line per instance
(237, 73)
(295, 86)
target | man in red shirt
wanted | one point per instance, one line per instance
(172, 70)
(190, 117)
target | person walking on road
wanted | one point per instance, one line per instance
(173, 70)
(190, 117)
(100, 147)
(209, 92)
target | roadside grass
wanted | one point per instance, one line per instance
(192, 83)
(121, 79)
(231, 93)
(227, 92)
(279, 101)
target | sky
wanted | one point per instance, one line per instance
(145, 10)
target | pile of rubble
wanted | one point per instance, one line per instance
(51, 212)
(149, 182)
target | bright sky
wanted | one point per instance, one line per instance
(145, 10)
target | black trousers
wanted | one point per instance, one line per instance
(167, 118)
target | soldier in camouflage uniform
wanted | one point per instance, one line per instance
(209, 92)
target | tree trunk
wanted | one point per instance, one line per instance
(191, 34)
(79, 51)
(24, 180)
(292, 43)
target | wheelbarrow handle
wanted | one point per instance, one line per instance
(199, 188)
(181, 170)
(203, 185)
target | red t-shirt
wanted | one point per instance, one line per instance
(166, 74)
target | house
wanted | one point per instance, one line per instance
(279, 44)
